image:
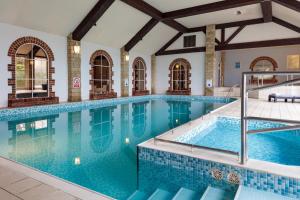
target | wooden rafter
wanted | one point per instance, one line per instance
(286, 24)
(237, 31)
(154, 13)
(292, 4)
(206, 8)
(91, 19)
(168, 44)
(139, 36)
(266, 7)
(245, 45)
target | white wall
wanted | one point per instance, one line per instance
(58, 44)
(246, 56)
(197, 61)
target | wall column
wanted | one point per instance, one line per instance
(74, 70)
(210, 60)
(153, 74)
(222, 68)
(124, 73)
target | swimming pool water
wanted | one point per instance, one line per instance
(95, 148)
(279, 147)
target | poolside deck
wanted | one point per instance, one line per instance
(19, 185)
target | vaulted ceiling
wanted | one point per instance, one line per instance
(121, 21)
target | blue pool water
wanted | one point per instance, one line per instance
(95, 147)
(278, 147)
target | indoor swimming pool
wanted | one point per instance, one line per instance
(95, 144)
(282, 147)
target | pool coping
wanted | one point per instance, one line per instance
(62, 184)
(54, 181)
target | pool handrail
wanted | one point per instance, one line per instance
(197, 146)
(244, 103)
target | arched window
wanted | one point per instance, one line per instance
(179, 77)
(101, 76)
(139, 74)
(263, 64)
(32, 71)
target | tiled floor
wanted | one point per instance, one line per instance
(17, 186)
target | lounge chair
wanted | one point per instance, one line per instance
(276, 96)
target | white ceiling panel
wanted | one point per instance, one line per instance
(155, 39)
(117, 26)
(170, 5)
(286, 14)
(225, 16)
(55, 16)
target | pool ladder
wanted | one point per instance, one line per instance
(293, 124)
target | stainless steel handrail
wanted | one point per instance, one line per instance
(245, 118)
(197, 146)
(273, 120)
(277, 129)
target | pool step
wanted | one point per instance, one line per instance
(138, 195)
(212, 193)
(161, 194)
(246, 193)
(186, 194)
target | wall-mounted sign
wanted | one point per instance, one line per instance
(76, 82)
(237, 65)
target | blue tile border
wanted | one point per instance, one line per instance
(197, 167)
(34, 111)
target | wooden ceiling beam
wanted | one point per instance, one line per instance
(235, 33)
(207, 8)
(286, 24)
(91, 19)
(245, 45)
(140, 35)
(154, 13)
(266, 7)
(169, 43)
(292, 4)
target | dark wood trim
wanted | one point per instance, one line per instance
(177, 26)
(139, 36)
(292, 4)
(154, 13)
(246, 45)
(181, 51)
(222, 35)
(266, 7)
(145, 8)
(91, 19)
(217, 41)
(168, 44)
(259, 44)
(229, 25)
(206, 8)
(237, 31)
(286, 24)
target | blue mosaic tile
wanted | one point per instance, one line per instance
(195, 173)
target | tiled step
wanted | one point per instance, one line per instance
(212, 193)
(138, 195)
(246, 193)
(186, 194)
(161, 194)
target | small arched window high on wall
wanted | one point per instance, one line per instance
(179, 77)
(139, 74)
(101, 76)
(32, 73)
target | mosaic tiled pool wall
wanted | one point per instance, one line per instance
(33, 111)
(173, 170)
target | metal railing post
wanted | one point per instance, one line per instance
(244, 126)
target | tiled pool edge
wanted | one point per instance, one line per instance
(251, 178)
(25, 112)
(56, 182)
